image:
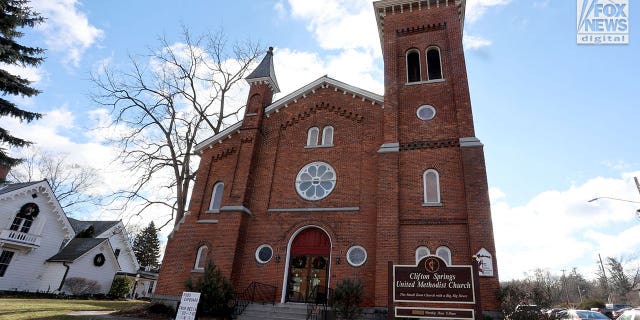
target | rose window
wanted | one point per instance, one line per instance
(315, 181)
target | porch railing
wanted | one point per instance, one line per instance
(318, 301)
(255, 292)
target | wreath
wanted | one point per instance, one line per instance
(29, 211)
(299, 262)
(319, 263)
(98, 260)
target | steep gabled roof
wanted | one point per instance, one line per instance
(26, 189)
(76, 248)
(322, 82)
(16, 186)
(99, 227)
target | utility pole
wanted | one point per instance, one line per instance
(564, 281)
(606, 282)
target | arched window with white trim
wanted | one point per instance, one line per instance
(413, 66)
(422, 252)
(201, 258)
(216, 197)
(434, 64)
(445, 254)
(327, 136)
(431, 181)
(312, 137)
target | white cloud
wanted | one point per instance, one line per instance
(295, 69)
(474, 42)
(560, 229)
(477, 8)
(66, 28)
(339, 24)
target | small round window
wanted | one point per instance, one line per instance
(315, 181)
(264, 253)
(426, 112)
(356, 256)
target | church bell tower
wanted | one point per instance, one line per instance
(429, 133)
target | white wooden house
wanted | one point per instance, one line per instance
(41, 249)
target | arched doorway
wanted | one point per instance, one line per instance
(308, 269)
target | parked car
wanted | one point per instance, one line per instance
(527, 312)
(583, 315)
(631, 314)
(555, 313)
(617, 313)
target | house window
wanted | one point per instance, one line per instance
(327, 136)
(421, 252)
(264, 253)
(445, 254)
(116, 253)
(434, 64)
(312, 137)
(201, 258)
(24, 218)
(5, 259)
(431, 181)
(216, 197)
(315, 181)
(356, 256)
(413, 66)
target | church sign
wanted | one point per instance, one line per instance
(432, 281)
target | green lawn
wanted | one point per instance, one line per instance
(51, 309)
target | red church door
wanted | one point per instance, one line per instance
(309, 266)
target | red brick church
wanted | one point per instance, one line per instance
(333, 181)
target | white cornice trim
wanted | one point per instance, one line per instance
(470, 142)
(304, 92)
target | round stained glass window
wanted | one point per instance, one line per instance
(264, 253)
(356, 256)
(426, 112)
(315, 181)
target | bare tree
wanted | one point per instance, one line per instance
(162, 106)
(72, 183)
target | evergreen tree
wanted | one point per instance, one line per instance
(16, 14)
(146, 247)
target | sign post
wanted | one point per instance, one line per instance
(188, 306)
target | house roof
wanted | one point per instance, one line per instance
(303, 92)
(99, 227)
(17, 186)
(265, 72)
(27, 189)
(76, 248)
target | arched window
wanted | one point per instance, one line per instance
(421, 252)
(431, 181)
(413, 66)
(312, 137)
(327, 136)
(445, 254)
(434, 63)
(201, 258)
(216, 197)
(24, 218)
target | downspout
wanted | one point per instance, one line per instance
(64, 263)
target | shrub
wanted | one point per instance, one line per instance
(215, 292)
(120, 287)
(81, 286)
(347, 297)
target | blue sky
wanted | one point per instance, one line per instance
(559, 120)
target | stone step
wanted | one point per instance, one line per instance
(286, 311)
